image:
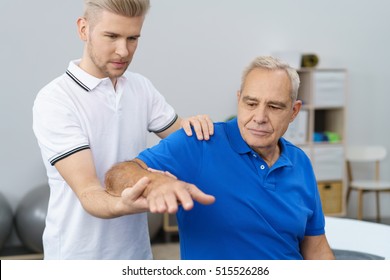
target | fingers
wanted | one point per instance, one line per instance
(180, 194)
(157, 204)
(186, 125)
(132, 199)
(183, 196)
(137, 190)
(162, 172)
(202, 124)
(163, 204)
(170, 174)
(200, 196)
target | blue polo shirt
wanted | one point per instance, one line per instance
(259, 212)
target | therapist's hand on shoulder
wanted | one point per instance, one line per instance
(202, 124)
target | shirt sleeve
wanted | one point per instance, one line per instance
(179, 154)
(161, 113)
(56, 127)
(316, 223)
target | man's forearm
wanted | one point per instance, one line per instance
(124, 175)
(163, 192)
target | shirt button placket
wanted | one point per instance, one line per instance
(262, 166)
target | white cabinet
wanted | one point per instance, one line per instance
(328, 162)
(329, 88)
(319, 130)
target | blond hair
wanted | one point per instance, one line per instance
(128, 8)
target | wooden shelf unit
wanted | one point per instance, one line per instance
(320, 131)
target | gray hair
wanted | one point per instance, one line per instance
(272, 63)
(128, 8)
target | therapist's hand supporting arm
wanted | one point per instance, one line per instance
(163, 193)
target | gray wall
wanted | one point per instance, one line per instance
(194, 52)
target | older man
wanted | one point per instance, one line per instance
(267, 203)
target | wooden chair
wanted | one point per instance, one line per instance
(370, 157)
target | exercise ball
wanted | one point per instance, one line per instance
(30, 218)
(6, 217)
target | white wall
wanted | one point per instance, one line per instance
(194, 52)
(195, 55)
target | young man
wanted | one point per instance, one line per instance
(267, 204)
(94, 115)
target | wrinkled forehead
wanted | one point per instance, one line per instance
(264, 81)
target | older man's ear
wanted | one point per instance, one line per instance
(296, 108)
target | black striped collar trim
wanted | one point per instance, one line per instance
(73, 77)
(71, 152)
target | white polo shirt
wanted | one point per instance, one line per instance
(77, 111)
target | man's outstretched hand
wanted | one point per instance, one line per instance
(168, 195)
(161, 191)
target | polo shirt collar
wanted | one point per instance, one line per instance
(236, 141)
(284, 159)
(82, 78)
(240, 146)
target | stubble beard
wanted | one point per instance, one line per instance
(102, 67)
